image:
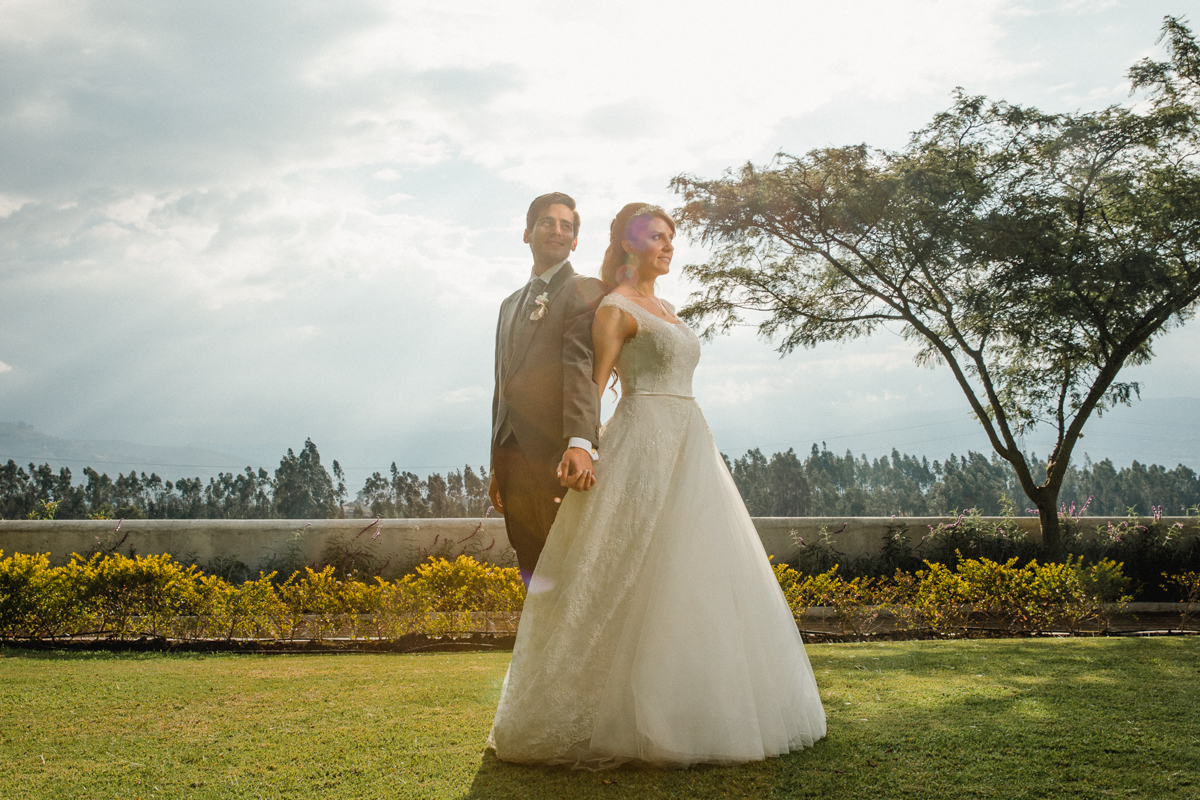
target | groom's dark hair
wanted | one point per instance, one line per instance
(541, 203)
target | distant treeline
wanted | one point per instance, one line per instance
(822, 485)
(403, 494)
(828, 485)
(300, 488)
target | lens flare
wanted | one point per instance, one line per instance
(539, 584)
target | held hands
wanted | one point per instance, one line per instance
(575, 471)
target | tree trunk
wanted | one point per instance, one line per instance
(1051, 530)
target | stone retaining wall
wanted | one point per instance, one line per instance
(404, 542)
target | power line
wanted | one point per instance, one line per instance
(850, 435)
(133, 463)
(977, 431)
(810, 439)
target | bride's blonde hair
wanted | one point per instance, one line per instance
(615, 256)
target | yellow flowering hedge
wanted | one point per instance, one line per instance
(155, 596)
(1070, 596)
(116, 597)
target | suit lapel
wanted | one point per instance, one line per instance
(524, 328)
(510, 316)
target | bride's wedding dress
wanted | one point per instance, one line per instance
(654, 628)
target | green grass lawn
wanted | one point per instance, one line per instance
(1007, 718)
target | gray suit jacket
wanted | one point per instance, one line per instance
(544, 389)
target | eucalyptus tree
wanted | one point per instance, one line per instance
(303, 488)
(1034, 255)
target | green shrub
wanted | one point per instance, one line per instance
(227, 611)
(1145, 546)
(141, 595)
(45, 509)
(972, 536)
(405, 607)
(1187, 587)
(938, 600)
(307, 593)
(465, 584)
(1034, 597)
(859, 602)
(806, 591)
(36, 600)
(115, 596)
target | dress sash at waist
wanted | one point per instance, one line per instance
(660, 394)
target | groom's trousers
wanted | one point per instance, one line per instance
(531, 493)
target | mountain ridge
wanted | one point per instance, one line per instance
(1162, 431)
(23, 444)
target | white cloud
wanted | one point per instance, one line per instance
(634, 95)
(886, 396)
(467, 394)
(303, 332)
(1088, 6)
(9, 204)
(5, 367)
(323, 205)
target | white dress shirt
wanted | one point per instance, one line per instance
(549, 274)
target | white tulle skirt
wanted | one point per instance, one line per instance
(654, 629)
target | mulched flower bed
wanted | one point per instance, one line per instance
(814, 630)
(413, 643)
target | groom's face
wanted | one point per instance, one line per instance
(552, 237)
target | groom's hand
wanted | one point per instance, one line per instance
(575, 471)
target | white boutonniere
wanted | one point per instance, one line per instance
(540, 311)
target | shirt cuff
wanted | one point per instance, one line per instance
(583, 444)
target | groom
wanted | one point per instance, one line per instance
(546, 406)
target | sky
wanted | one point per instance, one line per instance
(239, 225)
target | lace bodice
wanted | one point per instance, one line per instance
(660, 358)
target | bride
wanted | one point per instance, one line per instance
(654, 629)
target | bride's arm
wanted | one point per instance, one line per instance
(611, 329)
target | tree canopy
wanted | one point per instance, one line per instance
(303, 489)
(826, 484)
(1033, 254)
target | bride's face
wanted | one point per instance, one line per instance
(651, 242)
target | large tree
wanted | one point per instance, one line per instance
(303, 488)
(1033, 254)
